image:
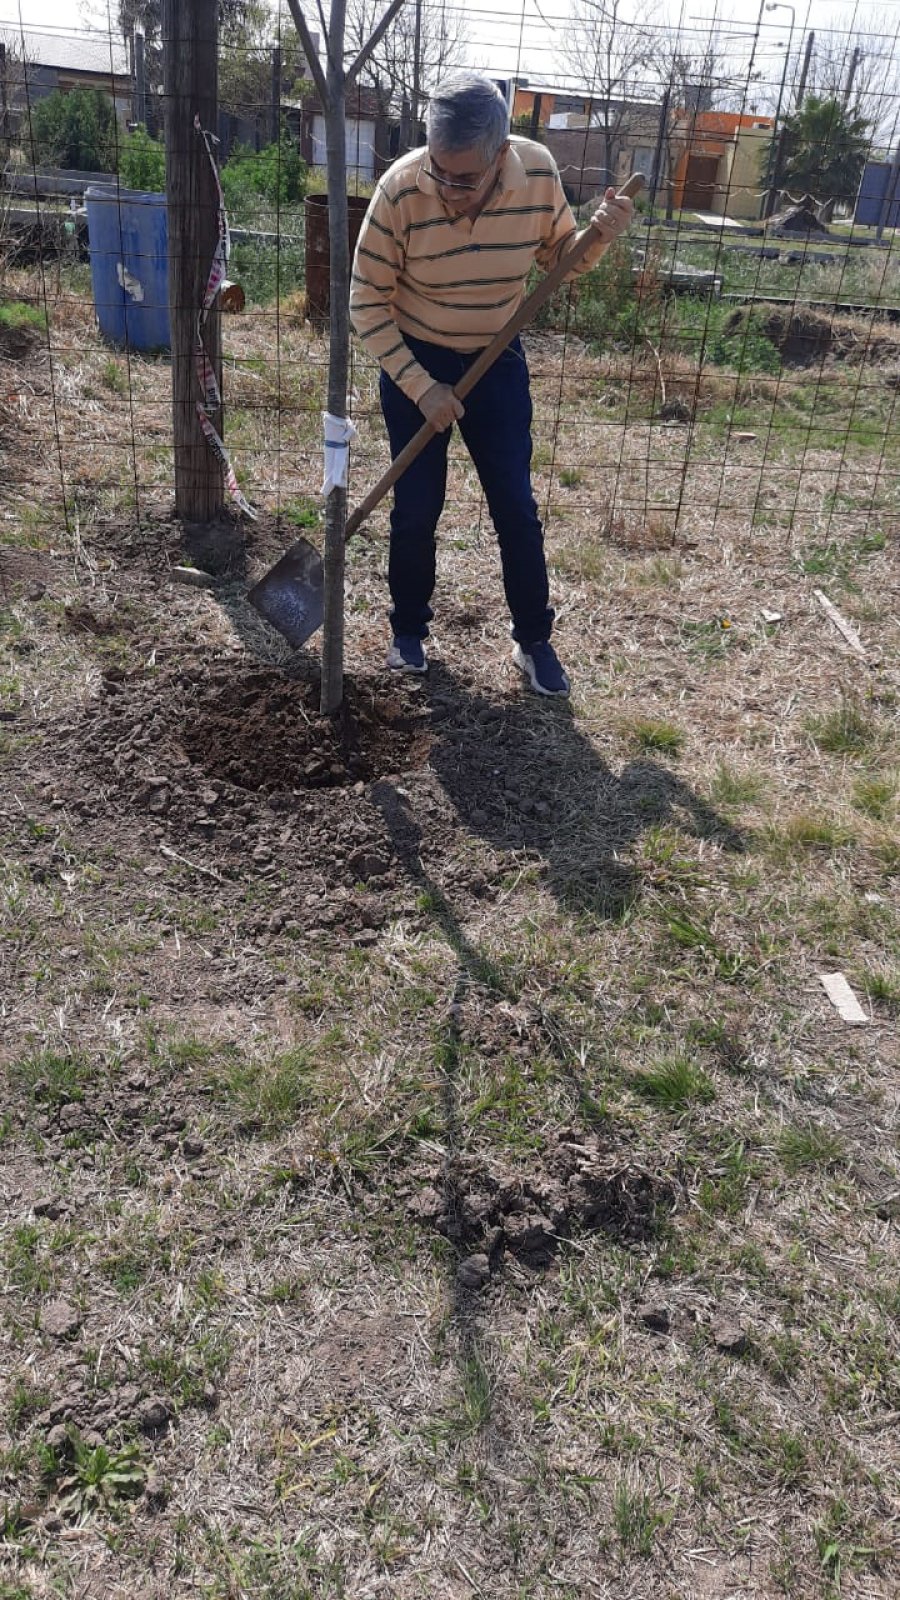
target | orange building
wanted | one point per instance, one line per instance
(717, 161)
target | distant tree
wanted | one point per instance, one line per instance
(77, 129)
(825, 150)
(390, 70)
(247, 39)
(692, 78)
(142, 161)
(612, 47)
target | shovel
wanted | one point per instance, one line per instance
(291, 595)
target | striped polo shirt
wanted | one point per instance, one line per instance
(422, 271)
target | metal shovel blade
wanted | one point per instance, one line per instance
(291, 595)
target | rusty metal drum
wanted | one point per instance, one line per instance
(318, 265)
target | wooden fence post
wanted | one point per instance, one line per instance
(190, 41)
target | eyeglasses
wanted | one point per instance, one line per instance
(455, 183)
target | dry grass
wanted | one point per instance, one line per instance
(608, 924)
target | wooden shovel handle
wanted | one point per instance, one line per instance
(523, 315)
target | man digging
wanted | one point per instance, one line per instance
(441, 263)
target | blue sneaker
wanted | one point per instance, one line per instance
(407, 654)
(541, 666)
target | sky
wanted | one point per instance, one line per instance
(519, 36)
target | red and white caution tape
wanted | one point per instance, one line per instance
(206, 377)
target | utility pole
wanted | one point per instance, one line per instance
(804, 70)
(776, 149)
(661, 133)
(190, 75)
(331, 85)
(851, 74)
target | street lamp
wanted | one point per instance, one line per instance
(774, 160)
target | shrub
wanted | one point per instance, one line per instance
(142, 161)
(745, 347)
(605, 302)
(276, 173)
(75, 130)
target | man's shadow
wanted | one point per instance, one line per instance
(522, 775)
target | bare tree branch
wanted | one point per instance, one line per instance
(388, 68)
(374, 40)
(309, 50)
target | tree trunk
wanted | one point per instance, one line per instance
(332, 690)
(275, 119)
(140, 79)
(191, 89)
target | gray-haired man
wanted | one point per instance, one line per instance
(443, 255)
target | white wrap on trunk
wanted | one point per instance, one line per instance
(339, 433)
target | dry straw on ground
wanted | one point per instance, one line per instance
(457, 1178)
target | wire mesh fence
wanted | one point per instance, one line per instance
(734, 364)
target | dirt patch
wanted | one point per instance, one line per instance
(264, 730)
(576, 1186)
(804, 337)
(18, 340)
(84, 619)
(22, 573)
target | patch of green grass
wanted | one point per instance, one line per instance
(113, 378)
(723, 1191)
(887, 853)
(26, 1399)
(185, 1367)
(271, 1093)
(844, 731)
(636, 1517)
(709, 640)
(476, 1396)
(875, 797)
(838, 559)
(809, 1146)
(804, 832)
(570, 477)
(884, 989)
(303, 513)
(28, 1260)
(690, 934)
(674, 1082)
(513, 1102)
(732, 788)
(649, 734)
(51, 1076)
(16, 314)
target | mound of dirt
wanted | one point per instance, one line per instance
(252, 728)
(19, 337)
(575, 1186)
(804, 337)
(800, 219)
(22, 573)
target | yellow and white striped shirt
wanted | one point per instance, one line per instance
(445, 278)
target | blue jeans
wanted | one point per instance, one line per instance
(497, 432)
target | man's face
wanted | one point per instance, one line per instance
(462, 176)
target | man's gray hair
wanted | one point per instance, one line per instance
(467, 112)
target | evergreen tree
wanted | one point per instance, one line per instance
(826, 145)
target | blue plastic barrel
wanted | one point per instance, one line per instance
(128, 239)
